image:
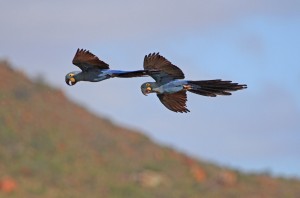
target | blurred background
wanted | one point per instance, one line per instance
(252, 42)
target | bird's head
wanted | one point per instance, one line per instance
(147, 88)
(71, 78)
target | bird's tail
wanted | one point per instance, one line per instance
(130, 74)
(213, 88)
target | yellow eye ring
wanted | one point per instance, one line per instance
(148, 84)
(71, 75)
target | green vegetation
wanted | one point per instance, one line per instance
(51, 147)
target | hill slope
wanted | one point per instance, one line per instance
(51, 147)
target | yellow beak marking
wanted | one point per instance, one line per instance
(148, 89)
(72, 80)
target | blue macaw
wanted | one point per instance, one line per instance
(94, 70)
(171, 88)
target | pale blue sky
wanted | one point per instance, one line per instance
(253, 42)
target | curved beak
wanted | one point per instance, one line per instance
(145, 93)
(67, 81)
(70, 81)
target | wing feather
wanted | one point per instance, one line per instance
(85, 60)
(175, 102)
(163, 70)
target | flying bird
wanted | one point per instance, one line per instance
(95, 70)
(170, 86)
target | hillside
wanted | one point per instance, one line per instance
(51, 147)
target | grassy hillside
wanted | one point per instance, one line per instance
(51, 147)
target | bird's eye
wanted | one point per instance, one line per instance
(71, 75)
(148, 84)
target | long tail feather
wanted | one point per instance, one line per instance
(130, 74)
(213, 88)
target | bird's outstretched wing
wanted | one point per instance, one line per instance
(163, 70)
(85, 60)
(175, 102)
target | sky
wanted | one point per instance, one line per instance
(253, 42)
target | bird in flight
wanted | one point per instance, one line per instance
(94, 69)
(170, 86)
